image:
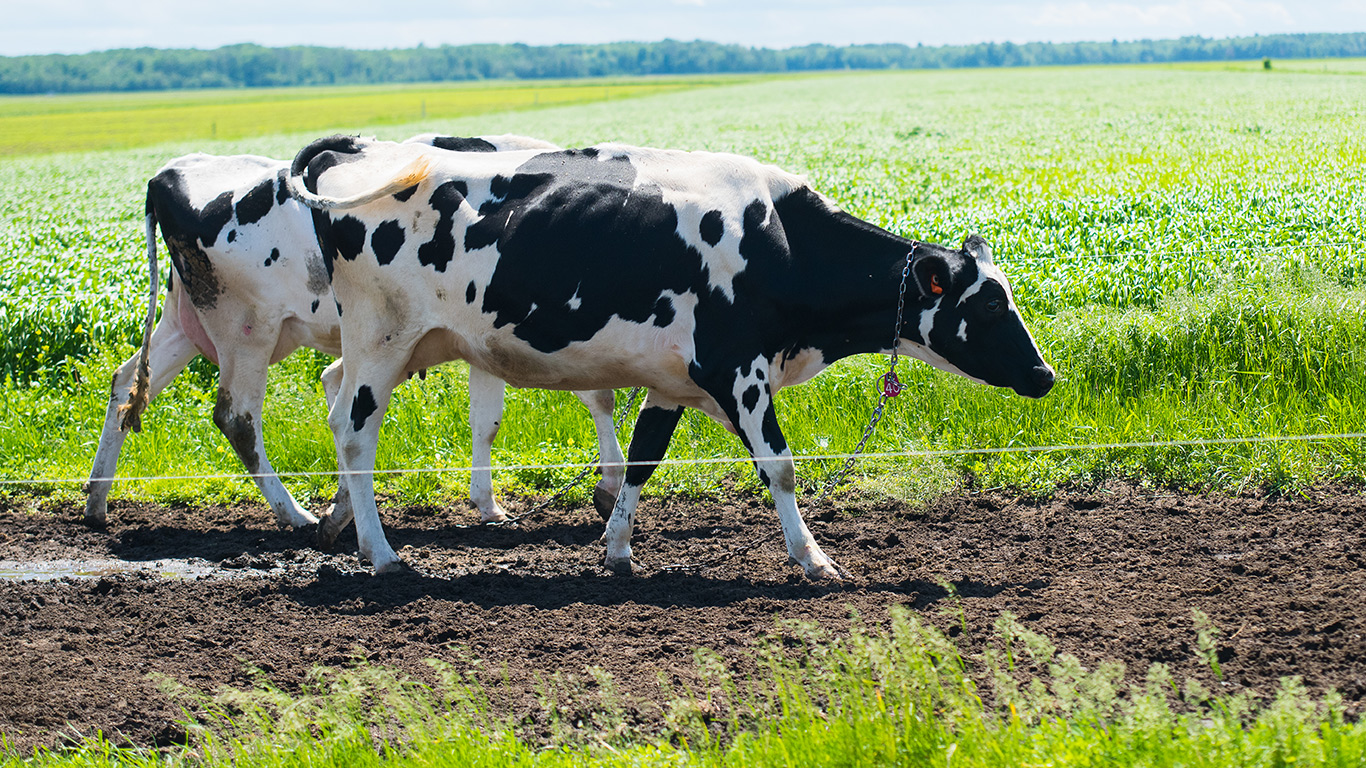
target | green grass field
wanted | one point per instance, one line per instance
(1188, 244)
(44, 124)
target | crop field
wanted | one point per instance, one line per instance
(1188, 245)
(45, 124)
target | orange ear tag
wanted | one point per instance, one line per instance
(935, 287)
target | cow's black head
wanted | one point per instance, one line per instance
(961, 317)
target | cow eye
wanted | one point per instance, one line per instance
(995, 306)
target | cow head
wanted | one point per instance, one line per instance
(961, 317)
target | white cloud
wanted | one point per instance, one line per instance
(1219, 17)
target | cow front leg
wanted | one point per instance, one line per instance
(654, 429)
(355, 418)
(169, 351)
(749, 404)
(237, 413)
(600, 404)
(487, 394)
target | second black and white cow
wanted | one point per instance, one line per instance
(249, 286)
(711, 279)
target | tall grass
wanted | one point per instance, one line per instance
(900, 695)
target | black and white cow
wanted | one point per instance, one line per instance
(249, 287)
(711, 279)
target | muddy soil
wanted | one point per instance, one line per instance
(1111, 574)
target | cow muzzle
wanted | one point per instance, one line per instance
(1037, 383)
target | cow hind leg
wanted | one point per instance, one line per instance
(332, 522)
(654, 429)
(237, 413)
(170, 350)
(486, 414)
(600, 403)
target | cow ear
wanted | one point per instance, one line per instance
(932, 275)
(976, 246)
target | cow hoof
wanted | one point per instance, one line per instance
(604, 501)
(830, 571)
(95, 516)
(394, 568)
(297, 519)
(620, 566)
(327, 535)
(496, 516)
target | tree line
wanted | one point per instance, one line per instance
(254, 66)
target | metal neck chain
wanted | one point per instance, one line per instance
(889, 385)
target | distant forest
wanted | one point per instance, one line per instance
(254, 66)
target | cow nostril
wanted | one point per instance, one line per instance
(1043, 376)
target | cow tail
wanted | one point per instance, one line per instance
(139, 394)
(411, 175)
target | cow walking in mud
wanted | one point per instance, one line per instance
(249, 286)
(711, 279)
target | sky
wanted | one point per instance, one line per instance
(78, 26)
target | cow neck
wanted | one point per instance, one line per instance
(847, 278)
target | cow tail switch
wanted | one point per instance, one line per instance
(130, 413)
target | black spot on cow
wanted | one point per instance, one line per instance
(281, 187)
(322, 230)
(339, 309)
(215, 214)
(469, 293)
(314, 307)
(349, 234)
(763, 234)
(664, 312)
(654, 428)
(239, 428)
(463, 144)
(362, 407)
(386, 241)
(773, 434)
(273, 257)
(438, 252)
(751, 397)
(255, 204)
(711, 228)
(568, 222)
(188, 231)
(232, 235)
(403, 194)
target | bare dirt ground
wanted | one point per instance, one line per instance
(1111, 574)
